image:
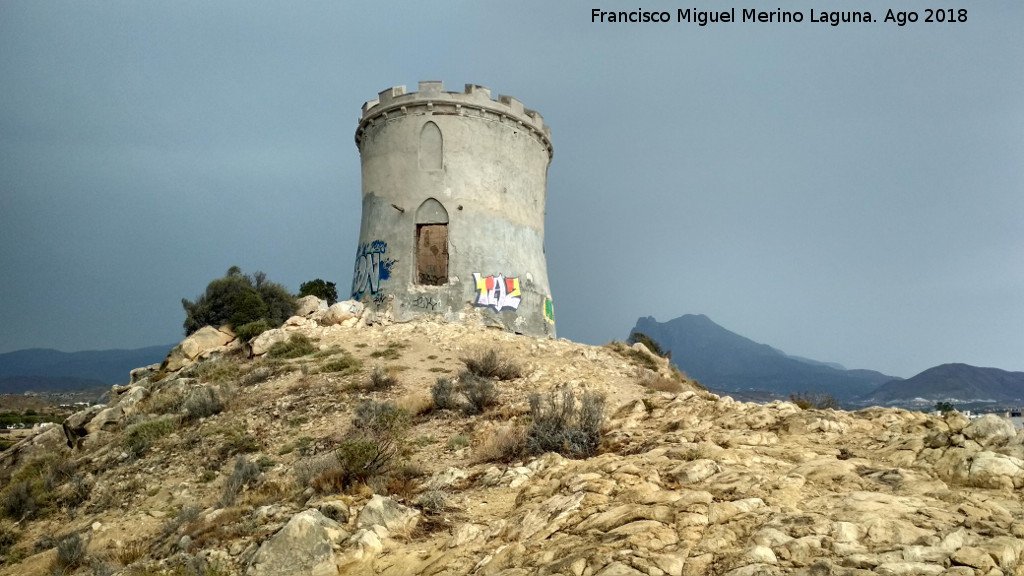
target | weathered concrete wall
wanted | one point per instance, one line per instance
(485, 162)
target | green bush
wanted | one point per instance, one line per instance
(650, 343)
(239, 300)
(491, 365)
(561, 425)
(294, 347)
(321, 289)
(247, 332)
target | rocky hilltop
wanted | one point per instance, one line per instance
(230, 465)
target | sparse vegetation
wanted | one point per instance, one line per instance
(504, 445)
(391, 352)
(814, 401)
(490, 364)
(381, 379)
(200, 403)
(9, 536)
(244, 472)
(561, 425)
(433, 501)
(344, 366)
(444, 395)
(294, 347)
(479, 391)
(650, 343)
(240, 300)
(458, 442)
(139, 437)
(373, 446)
(636, 357)
(70, 554)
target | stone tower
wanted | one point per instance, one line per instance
(454, 187)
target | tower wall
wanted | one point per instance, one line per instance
(454, 188)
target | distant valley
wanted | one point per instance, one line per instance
(729, 363)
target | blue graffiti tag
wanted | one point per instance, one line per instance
(371, 268)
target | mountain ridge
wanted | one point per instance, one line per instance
(728, 362)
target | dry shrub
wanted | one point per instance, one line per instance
(814, 401)
(433, 501)
(416, 404)
(665, 385)
(490, 364)
(562, 425)
(444, 395)
(381, 379)
(479, 391)
(70, 554)
(130, 552)
(244, 472)
(505, 444)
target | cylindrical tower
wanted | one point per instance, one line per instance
(454, 186)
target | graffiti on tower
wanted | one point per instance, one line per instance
(372, 268)
(497, 292)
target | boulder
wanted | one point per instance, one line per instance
(198, 344)
(108, 419)
(990, 431)
(74, 425)
(262, 343)
(383, 511)
(309, 304)
(339, 313)
(303, 547)
(991, 470)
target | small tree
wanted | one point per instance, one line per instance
(944, 407)
(321, 289)
(650, 343)
(240, 300)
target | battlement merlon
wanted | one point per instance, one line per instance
(475, 101)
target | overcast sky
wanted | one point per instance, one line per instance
(851, 194)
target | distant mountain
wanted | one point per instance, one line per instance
(725, 361)
(45, 369)
(959, 383)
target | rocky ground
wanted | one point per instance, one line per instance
(224, 467)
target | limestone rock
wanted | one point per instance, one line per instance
(302, 548)
(991, 470)
(198, 344)
(339, 313)
(384, 511)
(108, 419)
(307, 305)
(336, 510)
(990, 431)
(973, 557)
(262, 343)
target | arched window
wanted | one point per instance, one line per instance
(431, 243)
(431, 147)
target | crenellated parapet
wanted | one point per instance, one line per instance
(431, 99)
